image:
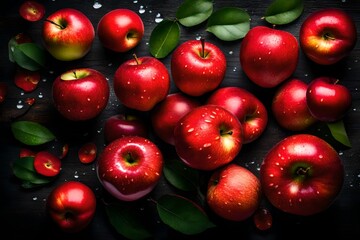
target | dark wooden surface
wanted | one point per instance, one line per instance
(22, 211)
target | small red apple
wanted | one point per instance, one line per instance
(120, 30)
(208, 137)
(26, 80)
(47, 164)
(197, 67)
(328, 35)
(167, 113)
(140, 83)
(130, 167)
(68, 34)
(87, 153)
(80, 94)
(250, 111)
(122, 124)
(302, 175)
(328, 100)
(32, 10)
(268, 56)
(234, 192)
(289, 106)
(71, 205)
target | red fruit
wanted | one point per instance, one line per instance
(268, 56)
(24, 152)
(3, 91)
(262, 219)
(71, 205)
(32, 11)
(87, 153)
(208, 137)
(47, 164)
(27, 80)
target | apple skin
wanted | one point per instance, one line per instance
(268, 56)
(197, 67)
(122, 124)
(68, 34)
(302, 175)
(80, 94)
(71, 205)
(234, 192)
(120, 30)
(327, 36)
(168, 112)
(250, 111)
(289, 106)
(208, 137)
(327, 100)
(141, 83)
(130, 167)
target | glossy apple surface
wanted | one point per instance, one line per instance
(208, 137)
(121, 125)
(302, 175)
(268, 56)
(68, 34)
(168, 112)
(328, 100)
(197, 67)
(250, 111)
(120, 30)
(141, 83)
(234, 192)
(130, 167)
(328, 35)
(71, 205)
(32, 10)
(289, 106)
(80, 94)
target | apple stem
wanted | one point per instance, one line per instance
(336, 81)
(136, 59)
(52, 22)
(302, 171)
(75, 74)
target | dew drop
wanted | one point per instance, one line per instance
(142, 9)
(159, 18)
(19, 105)
(97, 5)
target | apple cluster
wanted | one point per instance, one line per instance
(302, 174)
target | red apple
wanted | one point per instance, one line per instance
(71, 205)
(250, 111)
(289, 106)
(208, 137)
(32, 10)
(167, 113)
(87, 152)
(328, 100)
(120, 30)
(302, 175)
(234, 192)
(47, 164)
(328, 35)
(130, 167)
(80, 94)
(197, 67)
(122, 124)
(68, 34)
(140, 83)
(268, 56)
(26, 80)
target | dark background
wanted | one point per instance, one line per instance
(22, 211)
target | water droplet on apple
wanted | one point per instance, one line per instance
(207, 145)
(190, 130)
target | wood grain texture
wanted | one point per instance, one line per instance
(23, 211)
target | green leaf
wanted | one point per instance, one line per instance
(127, 222)
(284, 11)
(164, 38)
(181, 176)
(11, 47)
(229, 23)
(182, 215)
(193, 12)
(29, 56)
(338, 131)
(31, 133)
